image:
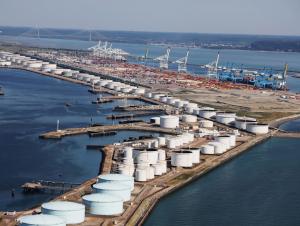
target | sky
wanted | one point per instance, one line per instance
(274, 17)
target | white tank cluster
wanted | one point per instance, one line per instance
(207, 113)
(149, 163)
(169, 121)
(174, 142)
(241, 122)
(221, 144)
(225, 117)
(185, 157)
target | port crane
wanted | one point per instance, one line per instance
(182, 62)
(164, 60)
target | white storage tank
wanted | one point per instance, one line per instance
(161, 155)
(128, 152)
(163, 164)
(225, 118)
(207, 149)
(241, 123)
(71, 212)
(172, 142)
(225, 140)
(128, 180)
(158, 169)
(219, 147)
(150, 172)
(161, 141)
(189, 118)
(41, 220)
(169, 121)
(232, 139)
(103, 204)
(150, 156)
(163, 99)
(139, 91)
(114, 189)
(141, 174)
(257, 128)
(207, 113)
(195, 152)
(155, 120)
(182, 159)
(206, 123)
(148, 95)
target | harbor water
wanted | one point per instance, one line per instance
(260, 187)
(32, 104)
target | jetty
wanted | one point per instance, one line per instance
(58, 134)
(43, 186)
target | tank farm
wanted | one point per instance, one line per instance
(135, 174)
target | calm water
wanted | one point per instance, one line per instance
(260, 187)
(293, 126)
(31, 106)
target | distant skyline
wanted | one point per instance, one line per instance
(270, 17)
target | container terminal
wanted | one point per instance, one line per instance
(134, 175)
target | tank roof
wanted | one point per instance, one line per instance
(117, 177)
(111, 186)
(99, 197)
(41, 219)
(63, 206)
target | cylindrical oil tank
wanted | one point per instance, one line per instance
(257, 128)
(195, 152)
(161, 155)
(207, 113)
(114, 189)
(196, 111)
(141, 174)
(232, 139)
(182, 159)
(207, 149)
(206, 123)
(179, 103)
(71, 212)
(157, 96)
(103, 82)
(169, 121)
(148, 95)
(163, 164)
(163, 99)
(241, 123)
(126, 169)
(103, 204)
(225, 118)
(155, 120)
(150, 173)
(41, 220)
(139, 91)
(172, 101)
(171, 142)
(161, 141)
(158, 169)
(219, 147)
(128, 180)
(128, 152)
(225, 140)
(189, 118)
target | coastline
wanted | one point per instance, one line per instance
(149, 202)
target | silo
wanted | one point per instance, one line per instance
(103, 204)
(114, 189)
(182, 159)
(41, 220)
(257, 128)
(128, 180)
(71, 212)
(207, 149)
(169, 121)
(189, 118)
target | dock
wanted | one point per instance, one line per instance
(97, 129)
(133, 115)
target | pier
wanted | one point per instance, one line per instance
(98, 129)
(43, 186)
